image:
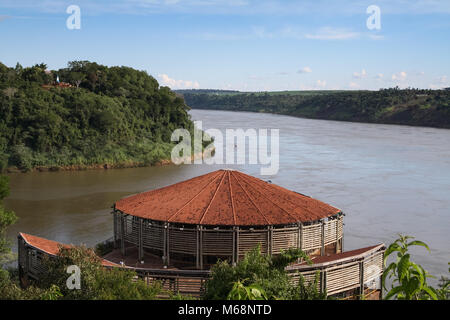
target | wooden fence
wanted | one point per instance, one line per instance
(334, 277)
(231, 243)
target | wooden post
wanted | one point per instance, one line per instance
(361, 279)
(197, 254)
(115, 228)
(270, 240)
(338, 219)
(168, 244)
(122, 235)
(237, 244)
(233, 254)
(322, 281)
(301, 235)
(140, 247)
(322, 248)
(201, 248)
(165, 245)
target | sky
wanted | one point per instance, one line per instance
(247, 45)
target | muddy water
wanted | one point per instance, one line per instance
(387, 179)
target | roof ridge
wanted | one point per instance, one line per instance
(287, 200)
(212, 199)
(179, 210)
(231, 197)
(260, 212)
(296, 219)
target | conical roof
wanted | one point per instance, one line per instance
(225, 198)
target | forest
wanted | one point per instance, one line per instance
(417, 107)
(85, 115)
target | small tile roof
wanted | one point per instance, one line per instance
(225, 198)
(52, 247)
(339, 257)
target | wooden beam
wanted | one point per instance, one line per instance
(361, 279)
(301, 235)
(322, 247)
(165, 245)
(140, 246)
(237, 244)
(201, 248)
(197, 254)
(114, 213)
(270, 240)
(168, 244)
(233, 254)
(122, 233)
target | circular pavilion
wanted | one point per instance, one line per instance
(224, 214)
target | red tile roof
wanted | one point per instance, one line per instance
(225, 197)
(51, 247)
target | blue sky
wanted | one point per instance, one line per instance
(240, 44)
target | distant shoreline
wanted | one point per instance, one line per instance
(411, 107)
(348, 121)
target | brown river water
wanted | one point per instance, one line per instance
(388, 179)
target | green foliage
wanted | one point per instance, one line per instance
(251, 292)
(308, 291)
(11, 290)
(408, 106)
(443, 292)
(97, 282)
(104, 247)
(116, 116)
(409, 280)
(7, 218)
(257, 275)
(4, 187)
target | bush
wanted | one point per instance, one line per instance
(97, 281)
(258, 276)
(409, 279)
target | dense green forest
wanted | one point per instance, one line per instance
(392, 106)
(85, 115)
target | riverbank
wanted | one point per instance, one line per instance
(413, 107)
(99, 166)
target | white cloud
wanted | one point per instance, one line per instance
(321, 83)
(379, 76)
(441, 82)
(376, 36)
(305, 70)
(401, 76)
(178, 84)
(353, 85)
(328, 33)
(360, 75)
(443, 79)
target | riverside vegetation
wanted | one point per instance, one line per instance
(417, 107)
(96, 116)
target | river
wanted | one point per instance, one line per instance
(388, 179)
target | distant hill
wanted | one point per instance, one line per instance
(417, 107)
(85, 115)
